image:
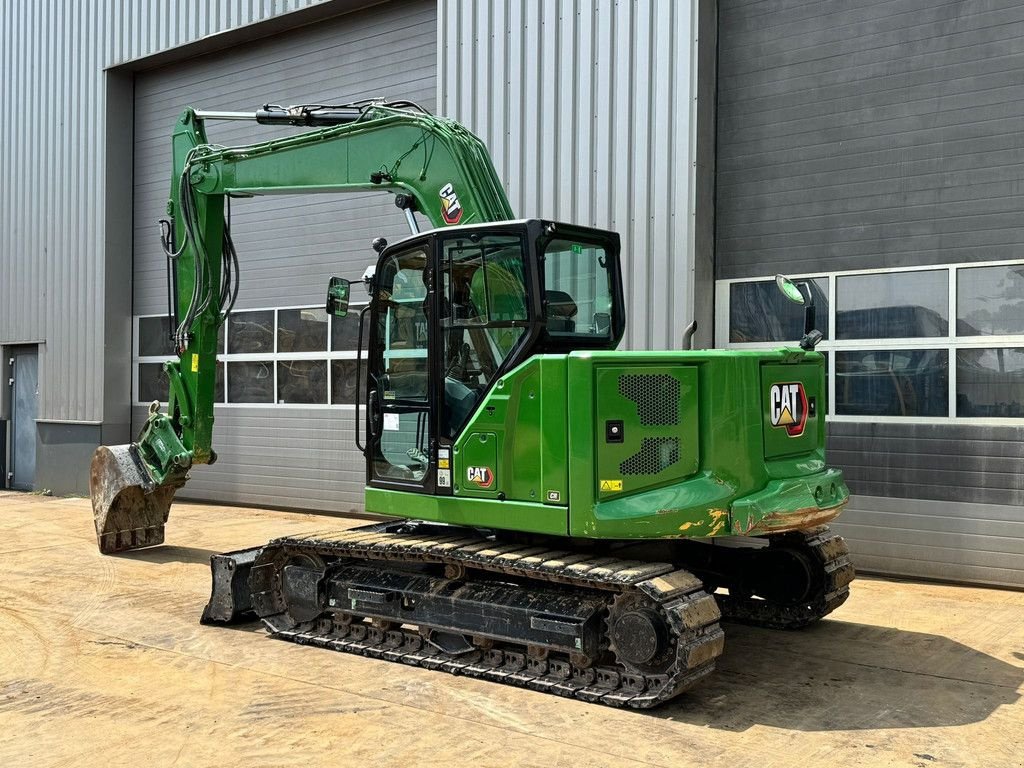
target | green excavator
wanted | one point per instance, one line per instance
(557, 514)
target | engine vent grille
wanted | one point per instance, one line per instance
(656, 454)
(656, 396)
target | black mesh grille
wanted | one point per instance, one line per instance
(656, 454)
(656, 396)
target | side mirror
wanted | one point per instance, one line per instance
(789, 289)
(800, 293)
(337, 296)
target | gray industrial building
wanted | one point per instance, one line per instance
(873, 147)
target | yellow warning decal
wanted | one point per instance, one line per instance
(442, 463)
(611, 485)
(195, 363)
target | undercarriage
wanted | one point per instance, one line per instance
(601, 626)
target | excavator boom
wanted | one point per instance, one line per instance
(434, 166)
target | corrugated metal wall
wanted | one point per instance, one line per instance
(52, 154)
(588, 108)
(288, 246)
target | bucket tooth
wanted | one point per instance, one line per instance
(128, 508)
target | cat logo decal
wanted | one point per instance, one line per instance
(482, 476)
(451, 208)
(787, 407)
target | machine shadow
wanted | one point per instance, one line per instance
(845, 676)
(164, 554)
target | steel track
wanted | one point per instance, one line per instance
(688, 611)
(829, 554)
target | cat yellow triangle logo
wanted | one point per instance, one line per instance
(786, 418)
(787, 407)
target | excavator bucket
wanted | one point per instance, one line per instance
(129, 509)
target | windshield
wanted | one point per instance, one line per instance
(577, 290)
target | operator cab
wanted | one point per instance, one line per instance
(451, 310)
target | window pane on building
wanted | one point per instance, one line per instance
(153, 383)
(218, 386)
(302, 381)
(155, 337)
(759, 312)
(343, 381)
(892, 382)
(990, 301)
(301, 330)
(345, 332)
(990, 382)
(250, 332)
(892, 305)
(251, 382)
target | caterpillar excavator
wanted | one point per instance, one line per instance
(558, 514)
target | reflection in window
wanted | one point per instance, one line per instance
(301, 330)
(483, 318)
(759, 312)
(250, 332)
(990, 301)
(345, 331)
(251, 382)
(577, 289)
(990, 382)
(153, 383)
(155, 337)
(218, 384)
(343, 382)
(302, 381)
(892, 305)
(400, 343)
(892, 382)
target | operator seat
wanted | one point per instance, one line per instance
(561, 310)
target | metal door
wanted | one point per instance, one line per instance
(24, 411)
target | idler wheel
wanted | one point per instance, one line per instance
(638, 636)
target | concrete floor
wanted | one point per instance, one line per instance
(103, 662)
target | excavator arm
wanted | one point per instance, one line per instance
(433, 165)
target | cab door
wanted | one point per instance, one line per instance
(401, 388)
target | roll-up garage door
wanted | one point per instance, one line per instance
(284, 423)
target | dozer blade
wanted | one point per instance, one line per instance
(129, 509)
(230, 595)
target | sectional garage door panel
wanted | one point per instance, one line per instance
(288, 245)
(290, 458)
(868, 134)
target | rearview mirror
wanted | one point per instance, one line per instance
(337, 296)
(796, 294)
(789, 289)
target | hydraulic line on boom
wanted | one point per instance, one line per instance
(435, 166)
